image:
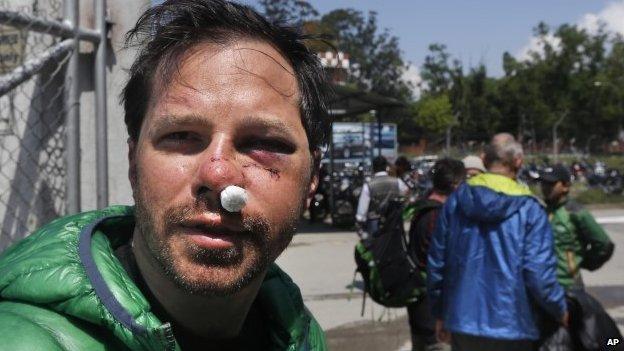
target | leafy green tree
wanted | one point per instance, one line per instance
(376, 59)
(435, 113)
(520, 101)
(566, 73)
(612, 80)
(573, 83)
(481, 116)
(436, 72)
(443, 81)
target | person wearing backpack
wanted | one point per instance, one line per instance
(390, 275)
(491, 260)
(376, 194)
(446, 175)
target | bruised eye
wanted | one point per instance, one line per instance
(269, 145)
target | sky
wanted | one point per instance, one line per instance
(476, 31)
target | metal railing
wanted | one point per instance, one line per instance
(40, 91)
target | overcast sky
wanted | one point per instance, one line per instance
(476, 31)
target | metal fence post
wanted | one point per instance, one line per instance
(40, 88)
(101, 146)
(72, 90)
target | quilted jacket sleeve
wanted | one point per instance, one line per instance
(597, 247)
(22, 334)
(31, 327)
(540, 263)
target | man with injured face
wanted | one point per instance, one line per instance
(226, 115)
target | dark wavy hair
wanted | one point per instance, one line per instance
(446, 174)
(380, 164)
(167, 31)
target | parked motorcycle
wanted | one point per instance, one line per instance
(613, 183)
(346, 194)
(610, 180)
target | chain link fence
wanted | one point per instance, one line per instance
(32, 133)
(37, 43)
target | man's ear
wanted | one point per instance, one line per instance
(518, 163)
(314, 178)
(566, 186)
(132, 169)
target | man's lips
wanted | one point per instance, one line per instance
(209, 236)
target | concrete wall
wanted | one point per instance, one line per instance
(123, 14)
(32, 171)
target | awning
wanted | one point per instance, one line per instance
(350, 101)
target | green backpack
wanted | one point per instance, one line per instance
(388, 269)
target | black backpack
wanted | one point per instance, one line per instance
(388, 269)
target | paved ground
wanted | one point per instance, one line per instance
(320, 261)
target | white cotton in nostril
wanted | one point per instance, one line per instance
(233, 198)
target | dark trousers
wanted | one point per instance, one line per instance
(422, 327)
(464, 342)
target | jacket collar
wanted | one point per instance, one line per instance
(500, 184)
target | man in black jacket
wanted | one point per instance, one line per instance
(446, 175)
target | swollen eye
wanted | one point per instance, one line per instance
(270, 145)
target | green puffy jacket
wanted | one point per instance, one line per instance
(62, 288)
(580, 242)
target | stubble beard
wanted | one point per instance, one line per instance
(242, 263)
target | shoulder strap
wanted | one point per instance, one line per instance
(421, 207)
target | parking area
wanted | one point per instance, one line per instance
(320, 261)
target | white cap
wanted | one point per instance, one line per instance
(474, 162)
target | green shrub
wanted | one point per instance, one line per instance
(585, 195)
(597, 196)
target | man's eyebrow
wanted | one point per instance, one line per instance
(167, 121)
(253, 123)
(265, 124)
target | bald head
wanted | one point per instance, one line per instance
(503, 151)
(502, 138)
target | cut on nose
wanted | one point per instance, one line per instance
(217, 172)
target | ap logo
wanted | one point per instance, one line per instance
(613, 342)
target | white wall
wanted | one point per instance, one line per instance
(123, 14)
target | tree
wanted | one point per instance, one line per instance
(565, 72)
(480, 117)
(294, 12)
(436, 72)
(575, 75)
(613, 79)
(435, 113)
(520, 101)
(376, 59)
(473, 96)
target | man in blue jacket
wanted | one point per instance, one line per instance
(491, 261)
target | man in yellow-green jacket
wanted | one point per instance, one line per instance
(580, 242)
(226, 115)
